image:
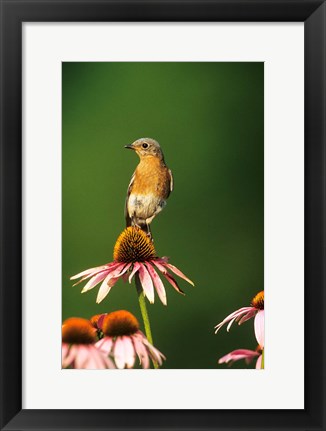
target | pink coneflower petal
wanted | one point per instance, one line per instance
(94, 281)
(129, 351)
(92, 362)
(81, 356)
(246, 317)
(90, 271)
(168, 276)
(120, 269)
(110, 281)
(157, 283)
(105, 345)
(179, 273)
(98, 270)
(238, 354)
(141, 352)
(119, 353)
(69, 357)
(146, 282)
(173, 282)
(230, 324)
(97, 361)
(109, 363)
(134, 270)
(155, 354)
(103, 290)
(244, 311)
(64, 350)
(260, 328)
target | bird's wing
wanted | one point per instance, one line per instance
(171, 180)
(128, 219)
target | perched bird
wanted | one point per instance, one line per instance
(150, 185)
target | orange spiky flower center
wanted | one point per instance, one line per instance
(133, 245)
(76, 330)
(120, 323)
(258, 301)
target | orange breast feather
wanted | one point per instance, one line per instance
(151, 176)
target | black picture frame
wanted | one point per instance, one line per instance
(13, 14)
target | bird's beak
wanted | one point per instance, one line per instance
(130, 147)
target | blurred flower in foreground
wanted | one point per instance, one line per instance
(134, 253)
(245, 313)
(123, 340)
(97, 320)
(247, 355)
(78, 349)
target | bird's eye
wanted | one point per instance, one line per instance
(144, 145)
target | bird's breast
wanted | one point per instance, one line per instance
(143, 206)
(151, 178)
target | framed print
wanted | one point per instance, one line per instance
(162, 168)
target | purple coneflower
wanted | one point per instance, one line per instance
(134, 253)
(78, 346)
(247, 355)
(124, 341)
(256, 310)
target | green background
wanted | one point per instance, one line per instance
(209, 120)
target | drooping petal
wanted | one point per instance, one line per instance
(155, 354)
(230, 324)
(159, 265)
(107, 268)
(109, 363)
(119, 270)
(260, 328)
(119, 353)
(92, 362)
(178, 272)
(141, 352)
(103, 290)
(108, 284)
(98, 360)
(69, 356)
(94, 281)
(92, 270)
(64, 350)
(168, 276)
(173, 282)
(146, 283)
(130, 354)
(246, 317)
(134, 270)
(238, 354)
(236, 314)
(105, 345)
(81, 357)
(113, 281)
(157, 283)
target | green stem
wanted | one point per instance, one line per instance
(262, 360)
(144, 313)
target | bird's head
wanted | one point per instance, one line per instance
(145, 147)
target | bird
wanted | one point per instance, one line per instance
(150, 185)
